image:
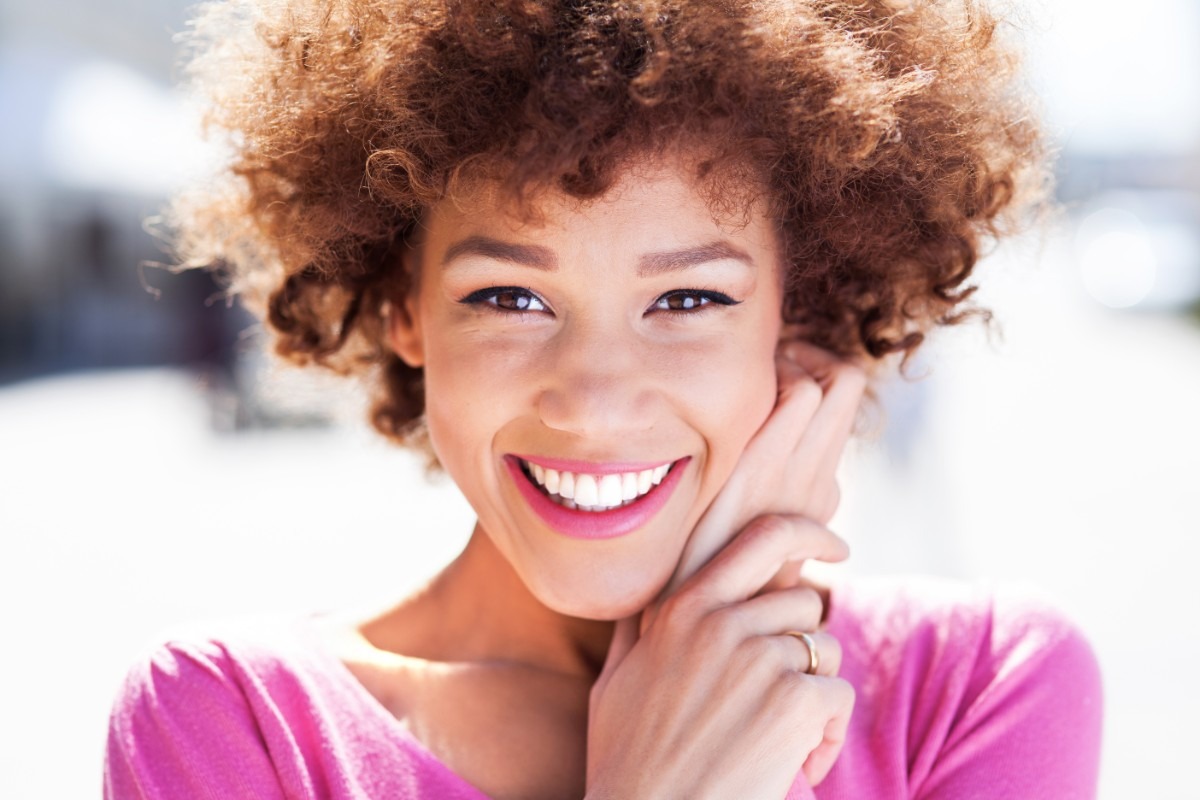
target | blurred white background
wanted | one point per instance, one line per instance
(137, 494)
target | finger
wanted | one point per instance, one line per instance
(797, 402)
(787, 576)
(840, 696)
(843, 385)
(818, 457)
(819, 452)
(827, 649)
(769, 613)
(741, 569)
(816, 451)
(833, 422)
(770, 448)
(799, 398)
(817, 361)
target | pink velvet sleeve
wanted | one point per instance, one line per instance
(961, 695)
(262, 711)
(181, 727)
(964, 694)
(1030, 721)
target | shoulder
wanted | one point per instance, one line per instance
(261, 709)
(919, 618)
(968, 682)
(210, 715)
(229, 664)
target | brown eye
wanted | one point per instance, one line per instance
(512, 301)
(508, 299)
(691, 300)
(685, 302)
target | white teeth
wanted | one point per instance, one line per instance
(590, 492)
(629, 486)
(610, 491)
(586, 493)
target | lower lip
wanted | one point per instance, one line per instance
(596, 524)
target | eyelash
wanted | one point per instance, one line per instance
(708, 298)
(486, 300)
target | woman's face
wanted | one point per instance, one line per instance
(592, 346)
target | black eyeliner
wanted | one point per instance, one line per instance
(720, 298)
(481, 295)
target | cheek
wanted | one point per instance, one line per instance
(746, 398)
(739, 393)
(472, 388)
(730, 389)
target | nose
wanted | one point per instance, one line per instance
(598, 385)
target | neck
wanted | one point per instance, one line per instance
(479, 610)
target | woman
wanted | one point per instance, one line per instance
(624, 271)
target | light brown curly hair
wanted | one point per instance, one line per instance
(890, 137)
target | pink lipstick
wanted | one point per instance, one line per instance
(596, 524)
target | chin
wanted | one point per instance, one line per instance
(600, 597)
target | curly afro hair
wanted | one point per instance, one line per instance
(891, 139)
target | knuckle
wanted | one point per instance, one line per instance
(800, 389)
(792, 690)
(725, 628)
(807, 392)
(730, 618)
(810, 606)
(766, 529)
(758, 650)
(810, 597)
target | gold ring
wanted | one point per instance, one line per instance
(814, 660)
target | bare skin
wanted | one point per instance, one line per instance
(493, 683)
(506, 712)
(488, 666)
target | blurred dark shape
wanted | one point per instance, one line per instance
(75, 291)
(92, 300)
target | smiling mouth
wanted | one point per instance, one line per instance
(582, 491)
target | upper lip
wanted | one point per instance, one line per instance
(593, 467)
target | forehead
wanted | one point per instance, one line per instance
(665, 200)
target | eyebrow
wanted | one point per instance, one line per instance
(529, 255)
(543, 258)
(674, 260)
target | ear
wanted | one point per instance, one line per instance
(404, 331)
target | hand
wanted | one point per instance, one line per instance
(790, 465)
(712, 700)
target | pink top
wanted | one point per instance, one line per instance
(961, 694)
